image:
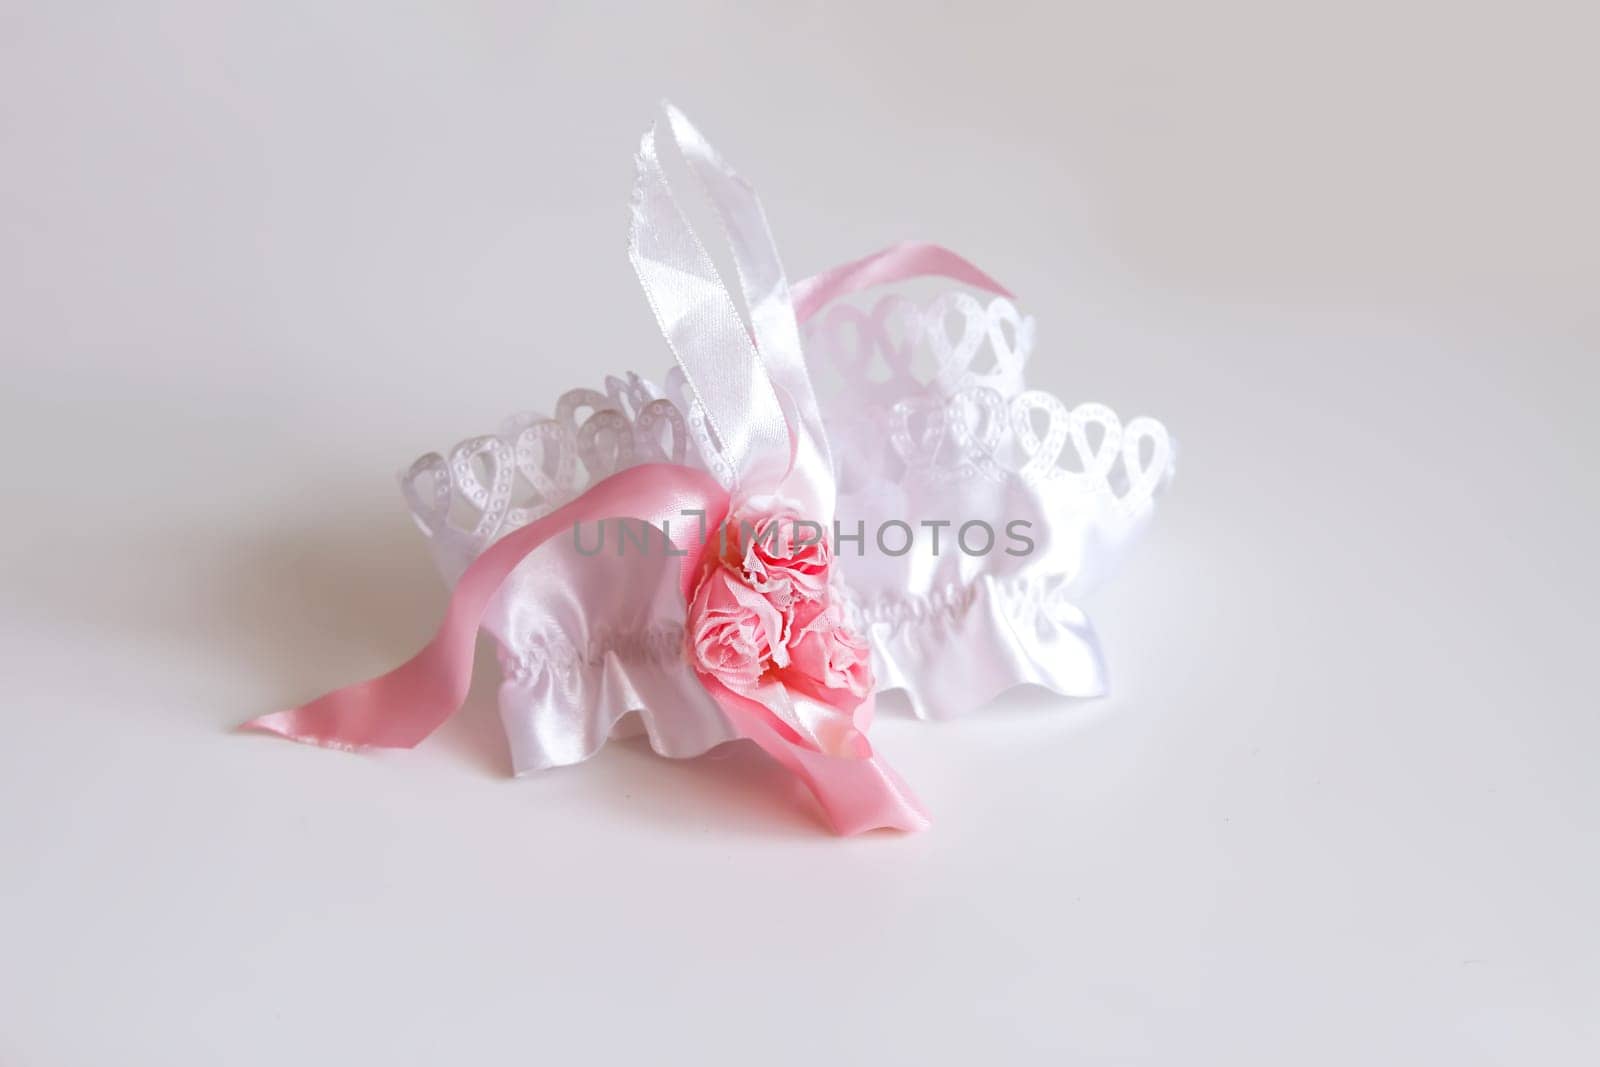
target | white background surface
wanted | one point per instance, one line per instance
(1342, 807)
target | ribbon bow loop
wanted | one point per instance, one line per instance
(751, 385)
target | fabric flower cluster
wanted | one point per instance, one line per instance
(764, 612)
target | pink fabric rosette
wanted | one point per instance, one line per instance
(764, 626)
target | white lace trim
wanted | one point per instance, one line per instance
(911, 407)
(904, 400)
(907, 401)
(498, 482)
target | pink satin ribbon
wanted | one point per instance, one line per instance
(401, 708)
(897, 263)
(856, 795)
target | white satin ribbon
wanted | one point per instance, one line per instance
(701, 324)
(752, 385)
(772, 315)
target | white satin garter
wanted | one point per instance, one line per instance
(884, 505)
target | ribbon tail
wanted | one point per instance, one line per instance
(856, 793)
(401, 708)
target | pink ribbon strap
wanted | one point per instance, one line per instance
(399, 709)
(897, 263)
